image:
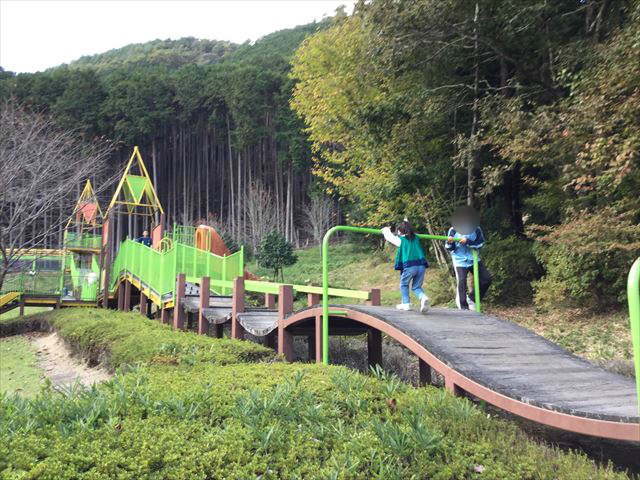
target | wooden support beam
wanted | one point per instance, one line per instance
(285, 307)
(178, 312)
(313, 299)
(374, 297)
(165, 316)
(121, 296)
(269, 300)
(203, 323)
(270, 340)
(237, 331)
(127, 296)
(144, 304)
(451, 387)
(425, 373)
(22, 306)
(318, 338)
(374, 347)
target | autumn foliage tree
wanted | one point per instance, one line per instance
(530, 112)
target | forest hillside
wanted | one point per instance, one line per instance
(169, 53)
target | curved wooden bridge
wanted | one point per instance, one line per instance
(498, 362)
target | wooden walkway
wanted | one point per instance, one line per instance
(498, 362)
(516, 362)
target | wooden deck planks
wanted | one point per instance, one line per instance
(516, 362)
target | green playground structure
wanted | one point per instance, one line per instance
(156, 270)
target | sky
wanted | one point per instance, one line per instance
(36, 35)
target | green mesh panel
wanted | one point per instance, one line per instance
(137, 186)
(158, 270)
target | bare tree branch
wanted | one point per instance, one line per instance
(261, 215)
(320, 216)
(41, 168)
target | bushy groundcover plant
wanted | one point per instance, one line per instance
(201, 418)
(129, 338)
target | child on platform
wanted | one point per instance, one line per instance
(466, 228)
(411, 262)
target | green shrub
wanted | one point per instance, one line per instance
(586, 261)
(191, 409)
(513, 267)
(267, 421)
(275, 253)
(128, 338)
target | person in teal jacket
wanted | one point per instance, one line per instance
(471, 237)
(411, 262)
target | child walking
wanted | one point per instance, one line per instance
(471, 237)
(411, 262)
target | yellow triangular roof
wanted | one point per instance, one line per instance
(135, 191)
(87, 210)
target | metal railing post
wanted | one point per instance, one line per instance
(223, 290)
(476, 279)
(633, 299)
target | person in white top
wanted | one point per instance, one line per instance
(411, 262)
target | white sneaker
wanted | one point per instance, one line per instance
(424, 304)
(404, 306)
(472, 304)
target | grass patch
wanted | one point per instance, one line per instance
(19, 372)
(15, 313)
(359, 267)
(268, 421)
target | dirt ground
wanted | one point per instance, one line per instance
(58, 365)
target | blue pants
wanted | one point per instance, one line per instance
(415, 277)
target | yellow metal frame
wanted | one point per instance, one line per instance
(154, 205)
(8, 298)
(39, 252)
(88, 194)
(150, 294)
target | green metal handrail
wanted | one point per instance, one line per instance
(325, 275)
(633, 298)
(82, 240)
(158, 269)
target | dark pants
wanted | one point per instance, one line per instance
(461, 291)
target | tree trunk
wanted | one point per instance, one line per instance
(473, 154)
(231, 189)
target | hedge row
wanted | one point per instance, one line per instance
(203, 416)
(129, 338)
(36, 322)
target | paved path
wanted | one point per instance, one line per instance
(55, 360)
